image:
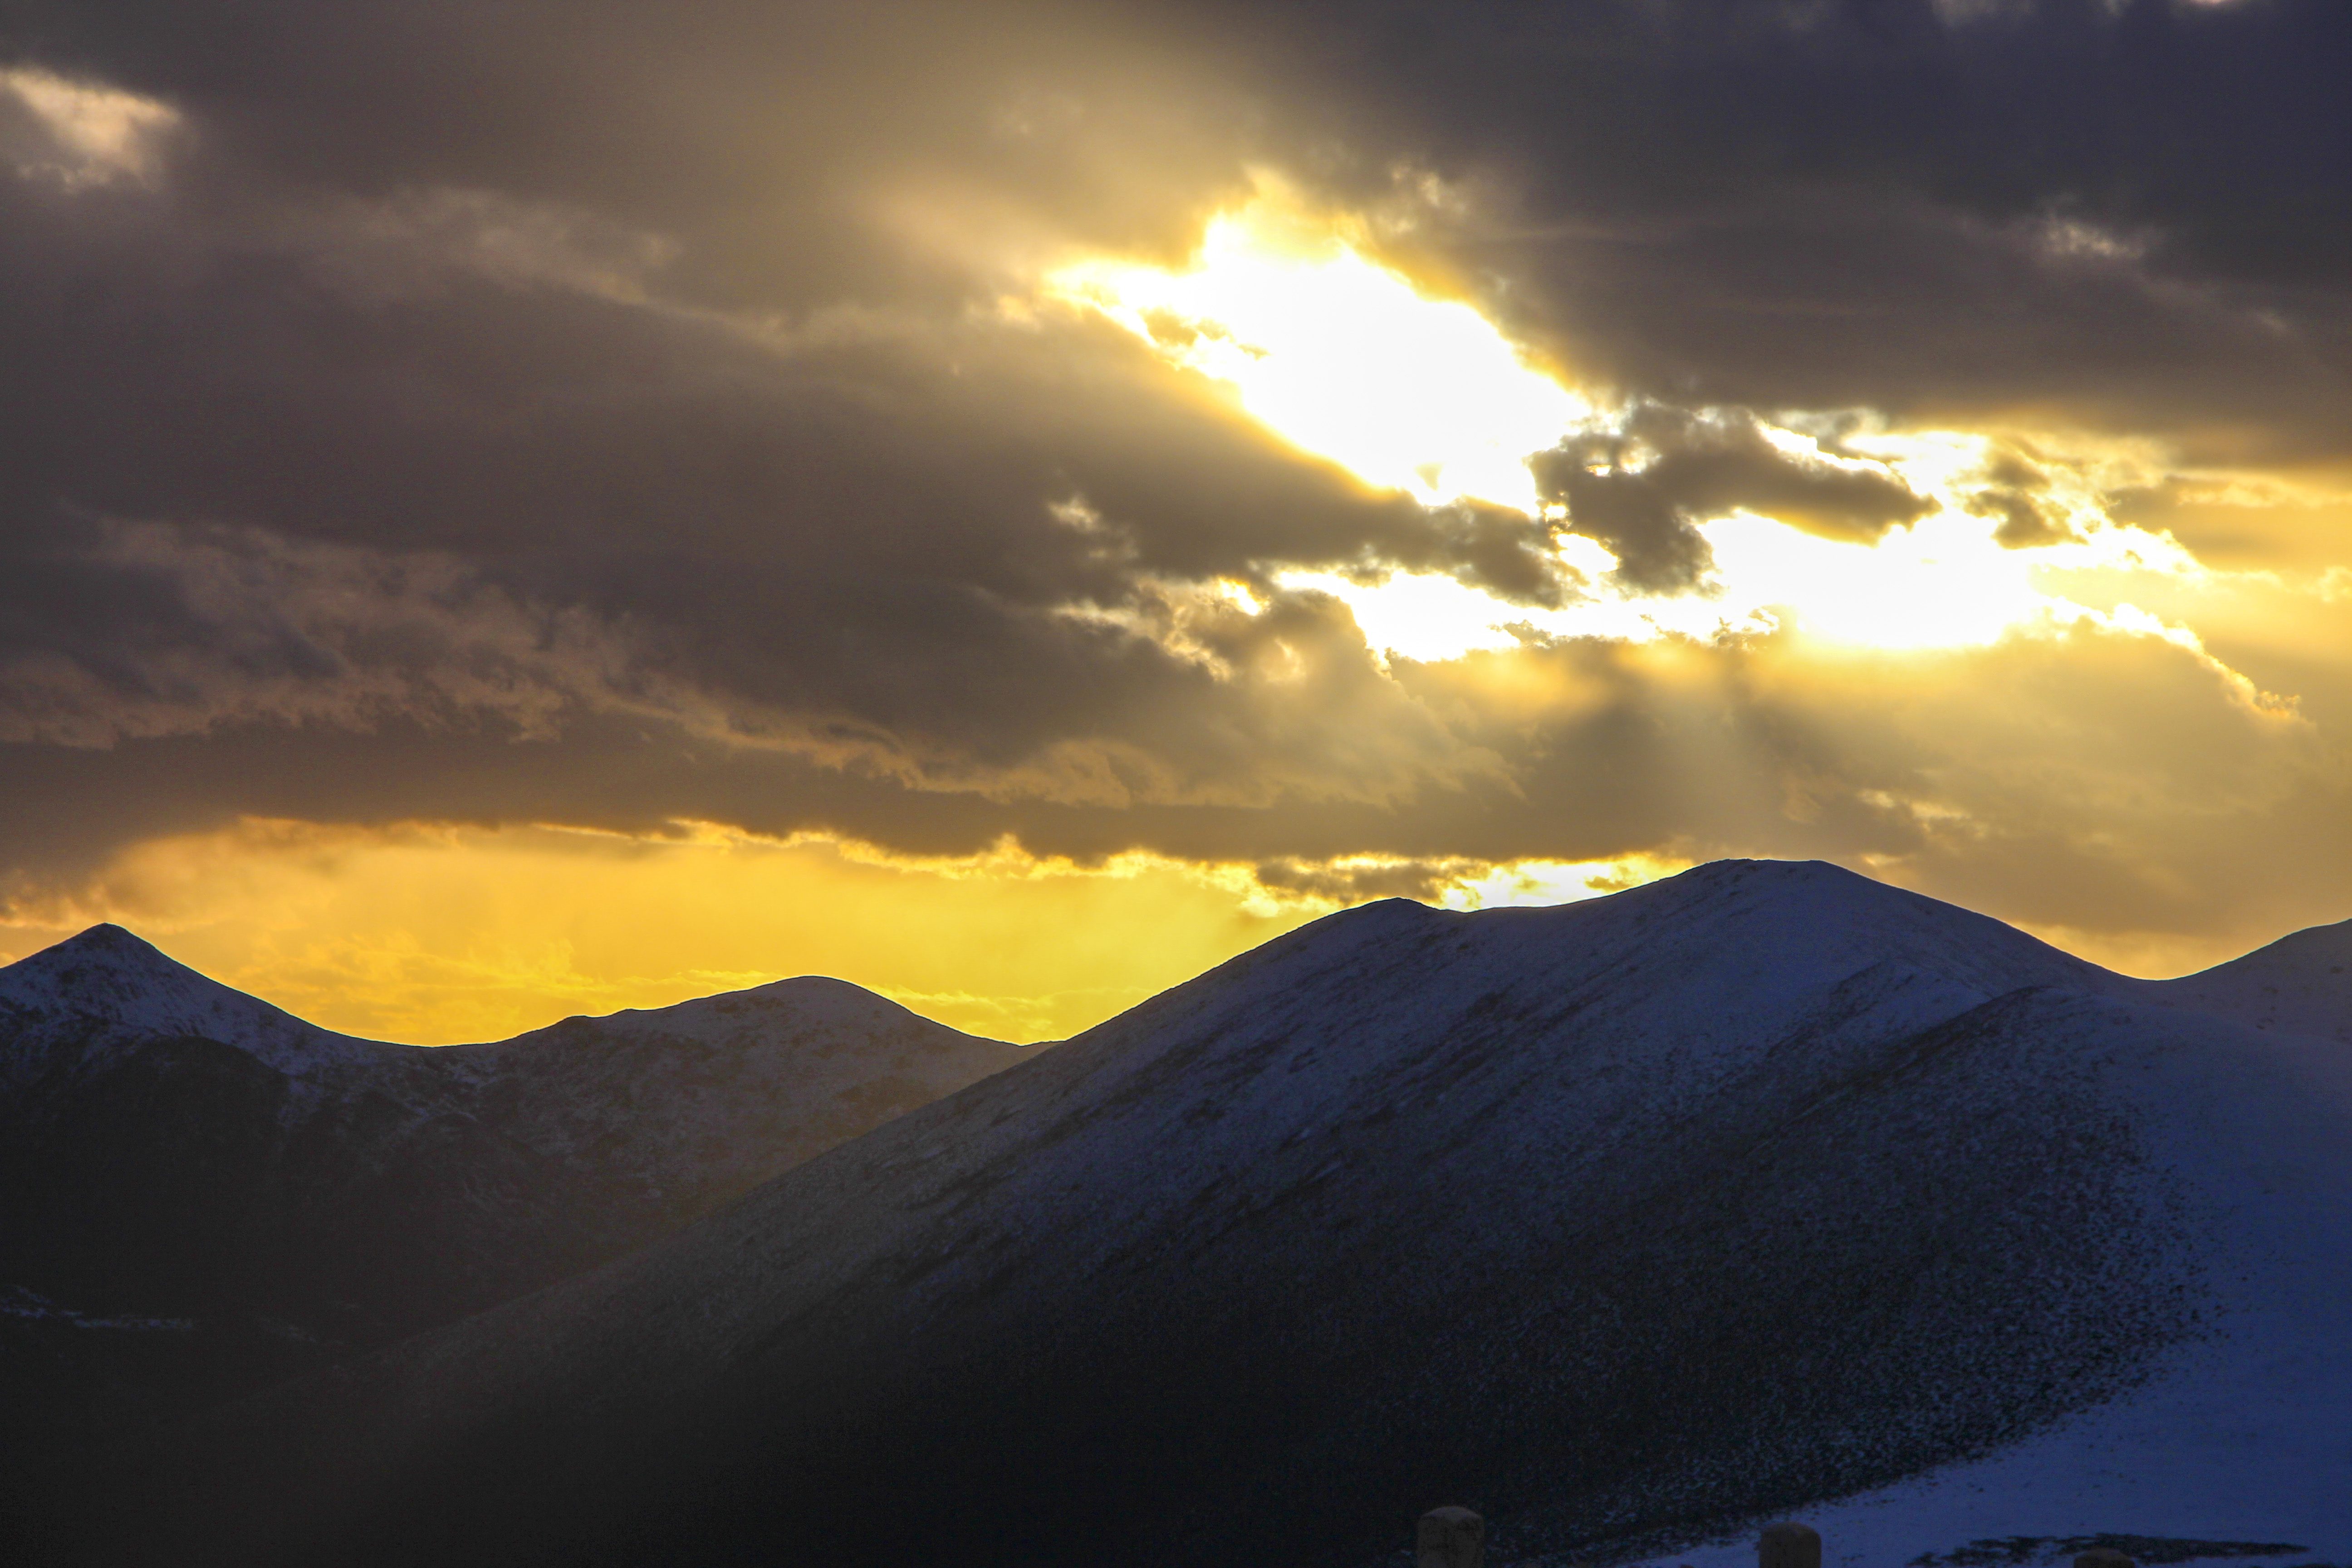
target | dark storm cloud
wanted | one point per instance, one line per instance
(1642, 490)
(1872, 299)
(2131, 212)
(861, 526)
(764, 135)
(601, 412)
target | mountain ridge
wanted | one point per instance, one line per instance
(2298, 983)
(177, 1153)
(113, 977)
(2232, 987)
(1624, 1221)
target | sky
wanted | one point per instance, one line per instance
(522, 508)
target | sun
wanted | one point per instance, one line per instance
(1341, 356)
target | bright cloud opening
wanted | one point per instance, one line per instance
(1425, 619)
(1522, 884)
(99, 133)
(1342, 357)
(1348, 360)
(1943, 582)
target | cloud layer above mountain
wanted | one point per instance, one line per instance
(1911, 433)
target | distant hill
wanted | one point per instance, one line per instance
(204, 1194)
(1627, 1222)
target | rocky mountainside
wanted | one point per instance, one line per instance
(1625, 1222)
(204, 1194)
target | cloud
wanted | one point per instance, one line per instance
(1641, 490)
(1873, 208)
(408, 244)
(81, 133)
(616, 414)
(127, 631)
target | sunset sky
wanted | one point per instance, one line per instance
(517, 509)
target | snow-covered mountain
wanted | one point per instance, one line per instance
(106, 990)
(204, 1192)
(2298, 983)
(1627, 1222)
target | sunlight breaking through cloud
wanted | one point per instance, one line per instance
(1348, 360)
(97, 134)
(1341, 356)
(1942, 583)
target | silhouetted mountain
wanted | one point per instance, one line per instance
(205, 1192)
(1625, 1222)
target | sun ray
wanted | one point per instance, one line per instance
(1348, 359)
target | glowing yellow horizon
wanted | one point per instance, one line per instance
(440, 935)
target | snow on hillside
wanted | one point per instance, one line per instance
(699, 1068)
(2298, 983)
(1628, 1222)
(105, 976)
(2238, 1434)
(175, 1149)
(717, 1094)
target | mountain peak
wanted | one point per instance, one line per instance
(110, 940)
(814, 1000)
(90, 957)
(1783, 875)
(114, 976)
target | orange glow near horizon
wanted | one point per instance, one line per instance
(435, 936)
(438, 936)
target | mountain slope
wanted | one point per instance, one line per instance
(2298, 983)
(107, 986)
(1624, 1221)
(701, 1101)
(241, 1195)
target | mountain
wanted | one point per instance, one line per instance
(206, 1194)
(2298, 983)
(1628, 1223)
